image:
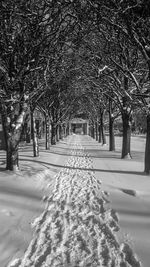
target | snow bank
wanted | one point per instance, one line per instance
(76, 228)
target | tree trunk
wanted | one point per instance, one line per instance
(103, 136)
(53, 134)
(102, 129)
(126, 135)
(64, 130)
(34, 136)
(111, 134)
(12, 159)
(57, 133)
(60, 132)
(28, 135)
(12, 133)
(47, 133)
(92, 131)
(147, 148)
(111, 128)
(96, 130)
(99, 133)
(67, 130)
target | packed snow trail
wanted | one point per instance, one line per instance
(77, 229)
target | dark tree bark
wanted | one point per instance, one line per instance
(64, 130)
(47, 133)
(147, 148)
(111, 128)
(102, 128)
(60, 131)
(57, 133)
(92, 131)
(34, 136)
(67, 129)
(12, 155)
(28, 134)
(53, 134)
(99, 133)
(111, 134)
(126, 119)
(96, 130)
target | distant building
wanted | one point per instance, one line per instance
(79, 126)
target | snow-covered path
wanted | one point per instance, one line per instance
(77, 228)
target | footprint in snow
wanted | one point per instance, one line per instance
(7, 212)
(129, 192)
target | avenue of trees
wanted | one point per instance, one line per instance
(68, 57)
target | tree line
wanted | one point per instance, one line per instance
(66, 56)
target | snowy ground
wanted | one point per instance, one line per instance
(129, 191)
(20, 195)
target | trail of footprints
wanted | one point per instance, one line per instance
(76, 229)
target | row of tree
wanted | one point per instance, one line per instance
(65, 56)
